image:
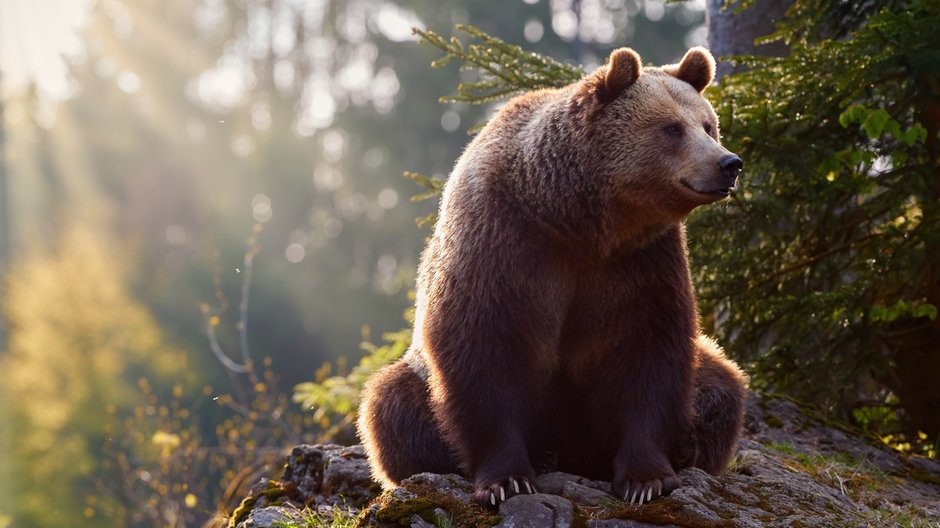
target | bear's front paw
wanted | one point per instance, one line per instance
(640, 491)
(491, 495)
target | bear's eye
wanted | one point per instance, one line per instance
(674, 130)
(708, 128)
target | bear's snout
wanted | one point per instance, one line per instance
(730, 166)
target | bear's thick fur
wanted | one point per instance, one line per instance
(556, 323)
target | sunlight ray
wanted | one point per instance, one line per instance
(71, 162)
(152, 30)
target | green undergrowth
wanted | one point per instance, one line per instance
(857, 479)
(810, 412)
(337, 518)
(900, 516)
(783, 447)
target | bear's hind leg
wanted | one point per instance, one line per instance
(397, 428)
(720, 391)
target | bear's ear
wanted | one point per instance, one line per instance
(621, 71)
(696, 68)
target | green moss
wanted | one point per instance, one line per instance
(402, 512)
(274, 493)
(426, 500)
(461, 513)
(773, 421)
(241, 511)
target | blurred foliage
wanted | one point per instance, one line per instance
(76, 332)
(167, 469)
(823, 272)
(334, 400)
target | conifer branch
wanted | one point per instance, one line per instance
(505, 69)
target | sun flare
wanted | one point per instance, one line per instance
(36, 36)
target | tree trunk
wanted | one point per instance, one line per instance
(733, 33)
(916, 359)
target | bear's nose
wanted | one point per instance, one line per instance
(730, 166)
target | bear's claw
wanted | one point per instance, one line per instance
(494, 494)
(645, 494)
(644, 491)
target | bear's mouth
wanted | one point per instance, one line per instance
(721, 192)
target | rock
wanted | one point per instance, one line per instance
(347, 474)
(584, 495)
(453, 485)
(330, 474)
(523, 511)
(418, 522)
(554, 483)
(327, 480)
(793, 468)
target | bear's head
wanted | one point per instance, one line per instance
(653, 134)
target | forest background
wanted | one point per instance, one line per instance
(202, 206)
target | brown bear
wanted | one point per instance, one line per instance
(556, 322)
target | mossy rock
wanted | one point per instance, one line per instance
(274, 493)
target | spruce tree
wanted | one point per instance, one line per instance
(823, 272)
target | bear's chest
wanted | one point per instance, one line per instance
(625, 307)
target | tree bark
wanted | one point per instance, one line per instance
(733, 33)
(915, 360)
